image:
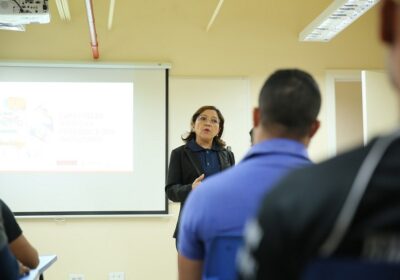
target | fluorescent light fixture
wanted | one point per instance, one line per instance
(63, 9)
(111, 14)
(339, 15)
(216, 11)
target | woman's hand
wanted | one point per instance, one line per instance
(197, 181)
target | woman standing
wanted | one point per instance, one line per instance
(203, 155)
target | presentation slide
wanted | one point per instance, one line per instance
(66, 127)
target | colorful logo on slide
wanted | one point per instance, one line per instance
(20, 124)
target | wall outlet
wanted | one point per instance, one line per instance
(116, 276)
(76, 277)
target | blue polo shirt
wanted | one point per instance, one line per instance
(208, 157)
(222, 204)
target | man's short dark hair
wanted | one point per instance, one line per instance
(290, 98)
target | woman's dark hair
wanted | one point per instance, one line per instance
(217, 139)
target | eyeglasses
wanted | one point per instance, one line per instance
(203, 119)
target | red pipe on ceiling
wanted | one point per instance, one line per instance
(92, 29)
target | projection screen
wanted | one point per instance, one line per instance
(83, 139)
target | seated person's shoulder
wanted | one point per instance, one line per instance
(12, 229)
(3, 237)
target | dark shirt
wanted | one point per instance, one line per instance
(296, 217)
(8, 263)
(13, 230)
(208, 157)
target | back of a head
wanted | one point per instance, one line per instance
(290, 99)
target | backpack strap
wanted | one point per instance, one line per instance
(356, 193)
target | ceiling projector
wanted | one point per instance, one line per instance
(19, 12)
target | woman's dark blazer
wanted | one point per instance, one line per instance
(184, 168)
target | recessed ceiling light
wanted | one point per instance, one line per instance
(339, 15)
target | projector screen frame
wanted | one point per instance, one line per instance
(113, 213)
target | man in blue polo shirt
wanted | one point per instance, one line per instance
(284, 124)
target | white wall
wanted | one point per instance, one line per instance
(142, 247)
(380, 104)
